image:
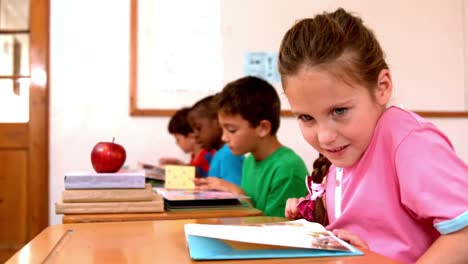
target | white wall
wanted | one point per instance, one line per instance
(90, 92)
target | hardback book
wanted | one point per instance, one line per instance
(155, 205)
(108, 195)
(94, 180)
(290, 239)
(191, 199)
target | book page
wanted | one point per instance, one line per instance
(183, 195)
(298, 234)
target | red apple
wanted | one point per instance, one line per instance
(108, 157)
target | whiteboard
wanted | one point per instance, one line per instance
(188, 49)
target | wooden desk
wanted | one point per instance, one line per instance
(142, 242)
(168, 215)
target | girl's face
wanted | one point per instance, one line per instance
(337, 118)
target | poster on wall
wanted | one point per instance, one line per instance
(263, 65)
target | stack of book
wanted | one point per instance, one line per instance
(122, 192)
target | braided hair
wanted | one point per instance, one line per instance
(320, 171)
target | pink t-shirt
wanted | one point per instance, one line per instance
(407, 189)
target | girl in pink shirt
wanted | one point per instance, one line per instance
(393, 181)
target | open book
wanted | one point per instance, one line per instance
(290, 239)
(153, 171)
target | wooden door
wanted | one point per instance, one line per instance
(24, 55)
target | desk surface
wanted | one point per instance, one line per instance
(167, 215)
(141, 242)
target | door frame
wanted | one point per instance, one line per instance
(38, 143)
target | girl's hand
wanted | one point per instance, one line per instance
(350, 237)
(216, 184)
(170, 161)
(290, 211)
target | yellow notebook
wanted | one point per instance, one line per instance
(179, 177)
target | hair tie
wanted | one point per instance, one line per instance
(306, 206)
(316, 190)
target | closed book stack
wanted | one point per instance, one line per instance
(92, 193)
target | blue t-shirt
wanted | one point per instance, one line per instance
(226, 165)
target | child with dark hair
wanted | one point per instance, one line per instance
(249, 113)
(204, 121)
(392, 177)
(180, 128)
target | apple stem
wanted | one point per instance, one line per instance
(113, 139)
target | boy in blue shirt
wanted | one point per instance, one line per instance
(249, 114)
(203, 119)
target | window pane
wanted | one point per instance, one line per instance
(14, 14)
(14, 101)
(14, 54)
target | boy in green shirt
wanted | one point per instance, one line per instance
(249, 113)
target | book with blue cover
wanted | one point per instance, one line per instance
(290, 239)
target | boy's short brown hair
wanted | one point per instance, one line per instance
(179, 124)
(254, 99)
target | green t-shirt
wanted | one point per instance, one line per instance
(270, 182)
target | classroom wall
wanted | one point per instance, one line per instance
(415, 52)
(89, 94)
